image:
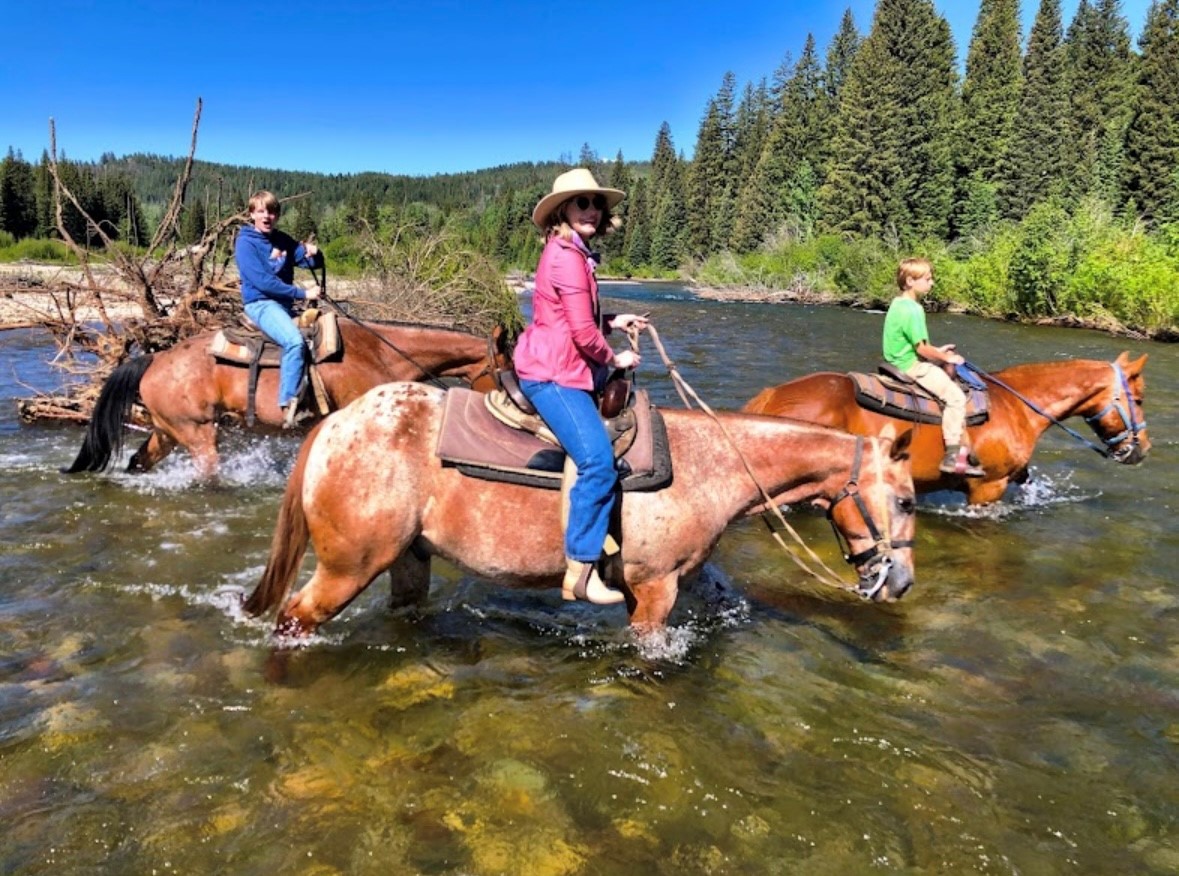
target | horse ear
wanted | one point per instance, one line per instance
(1135, 367)
(900, 447)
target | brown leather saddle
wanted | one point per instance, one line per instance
(893, 393)
(247, 345)
(488, 436)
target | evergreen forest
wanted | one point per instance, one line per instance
(1040, 173)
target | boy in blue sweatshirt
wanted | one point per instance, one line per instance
(266, 260)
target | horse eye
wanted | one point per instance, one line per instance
(907, 505)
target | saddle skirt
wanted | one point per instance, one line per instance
(476, 438)
(906, 400)
(241, 344)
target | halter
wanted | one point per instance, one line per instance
(1131, 425)
(876, 556)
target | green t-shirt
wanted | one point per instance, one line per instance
(904, 329)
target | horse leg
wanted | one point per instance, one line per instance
(651, 602)
(156, 447)
(321, 599)
(409, 579)
(345, 567)
(200, 440)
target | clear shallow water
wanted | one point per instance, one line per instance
(1018, 713)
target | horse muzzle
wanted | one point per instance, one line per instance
(884, 578)
(1130, 453)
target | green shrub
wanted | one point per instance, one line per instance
(38, 250)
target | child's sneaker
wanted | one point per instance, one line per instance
(960, 461)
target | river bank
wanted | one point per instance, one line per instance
(32, 294)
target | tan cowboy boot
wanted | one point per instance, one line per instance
(583, 582)
(288, 414)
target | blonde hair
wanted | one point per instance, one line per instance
(912, 269)
(265, 200)
(558, 226)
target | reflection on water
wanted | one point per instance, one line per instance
(1017, 713)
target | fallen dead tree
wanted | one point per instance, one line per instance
(119, 304)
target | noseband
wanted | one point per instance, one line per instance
(877, 557)
(1130, 425)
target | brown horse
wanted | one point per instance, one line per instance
(187, 392)
(1024, 401)
(369, 493)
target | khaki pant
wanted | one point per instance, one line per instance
(933, 378)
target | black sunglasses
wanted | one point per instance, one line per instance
(583, 202)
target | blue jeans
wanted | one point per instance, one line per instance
(573, 417)
(279, 326)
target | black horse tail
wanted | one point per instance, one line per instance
(289, 543)
(104, 435)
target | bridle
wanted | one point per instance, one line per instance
(877, 557)
(1131, 425)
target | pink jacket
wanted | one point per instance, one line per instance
(564, 343)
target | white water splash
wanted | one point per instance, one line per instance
(1040, 491)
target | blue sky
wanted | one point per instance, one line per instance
(401, 87)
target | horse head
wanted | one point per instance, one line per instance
(1118, 419)
(875, 516)
(499, 358)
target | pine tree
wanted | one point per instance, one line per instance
(750, 128)
(840, 54)
(663, 159)
(43, 191)
(669, 230)
(18, 203)
(1152, 140)
(1102, 70)
(891, 164)
(1042, 141)
(706, 175)
(619, 177)
(990, 99)
(638, 226)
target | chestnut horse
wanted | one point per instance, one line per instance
(368, 492)
(187, 392)
(1024, 401)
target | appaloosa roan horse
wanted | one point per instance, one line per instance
(187, 392)
(370, 494)
(1107, 394)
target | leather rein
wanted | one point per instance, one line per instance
(1132, 426)
(428, 375)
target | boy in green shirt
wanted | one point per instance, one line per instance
(907, 347)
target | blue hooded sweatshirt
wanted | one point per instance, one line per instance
(266, 265)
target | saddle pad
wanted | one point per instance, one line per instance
(479, 445)
(908, 401)
(235, 344)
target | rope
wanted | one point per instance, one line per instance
(824, 574)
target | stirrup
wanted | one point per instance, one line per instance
(960, 461)
(582, 581)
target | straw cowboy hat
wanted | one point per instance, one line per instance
(578, 181)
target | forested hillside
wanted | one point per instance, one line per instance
(1041, 174)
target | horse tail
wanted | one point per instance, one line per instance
(104, 435)
(289, 543)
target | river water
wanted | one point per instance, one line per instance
(1018, 712)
